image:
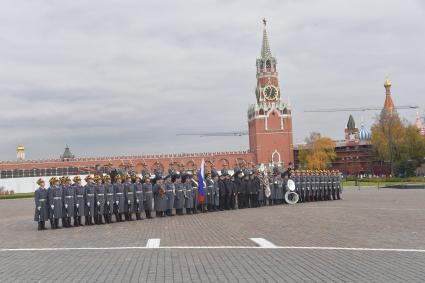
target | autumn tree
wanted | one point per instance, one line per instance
(399, 144)
(318, 152)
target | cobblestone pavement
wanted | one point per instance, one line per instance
(369, 218)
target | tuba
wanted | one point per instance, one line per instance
(291, 197)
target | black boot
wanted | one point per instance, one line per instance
(57, 223)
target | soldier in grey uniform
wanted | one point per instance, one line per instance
(322, 184)
(209, 191)
(307, 186)
(337, 190)
(119, 199)
(245, 190)
(312, 179)
(147, 196)
(195, 194)
(187, 181)
(80, 201)
(139, 197)
(260, 191)
(160, 197)
(280, 189)
(41, 213)
(100, 199)
(89, 190)
(55, 194)
(180, 194)
(222, 191)
(216, 192)
(109, 198)
(69, 202)
(170, 192)
(129, 193)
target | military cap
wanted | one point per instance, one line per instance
(76, 179)
(106, 177)
(128, 177)
(40, 181)
(89, 177)
(53, 180)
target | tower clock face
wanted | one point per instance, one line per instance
(270, 93)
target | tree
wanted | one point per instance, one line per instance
(318, 152)
(387, 137)
(412, 152)
(399, 144)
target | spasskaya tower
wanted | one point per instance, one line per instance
(270, 118)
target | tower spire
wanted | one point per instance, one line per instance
(388, 104)
(265, 47)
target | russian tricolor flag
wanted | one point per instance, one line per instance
(201, 189)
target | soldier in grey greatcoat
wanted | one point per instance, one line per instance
(180, 194)
(160, 197)
(147, 196)
(216, 193)
(280, 189)
(80, 201)
(222, 192)
(69, 202)
(55, 194)
(260, 189)
(109, 198)
(251, 190)
(209, 191)
(100, 199)
(139, 198)
(273, 185)
(89, 190)
(170, 192)
(41, 213)
(119, 199)
(130, 201)
(307, 186)
(189, 193)
(194, 184)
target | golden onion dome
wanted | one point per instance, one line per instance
(20, 148)
(387, 83)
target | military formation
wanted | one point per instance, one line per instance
(103, 199)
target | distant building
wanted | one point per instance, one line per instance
(67, 155)
(420, 125)
(355, 154)
(20, 153)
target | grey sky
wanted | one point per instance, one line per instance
(123, 77)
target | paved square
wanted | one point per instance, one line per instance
(370, 235)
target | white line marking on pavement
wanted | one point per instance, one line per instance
(153, 244)
(263, 243)
(215, 247)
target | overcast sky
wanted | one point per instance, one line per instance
(123, 77)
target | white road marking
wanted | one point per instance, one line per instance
(156, 246)
(153, 243)
(263, 243)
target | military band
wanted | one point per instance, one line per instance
(100, 198)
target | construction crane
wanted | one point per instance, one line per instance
(216, 134)
(372, 108)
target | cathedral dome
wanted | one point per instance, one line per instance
(364, 133)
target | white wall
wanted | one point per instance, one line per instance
(27, 184)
